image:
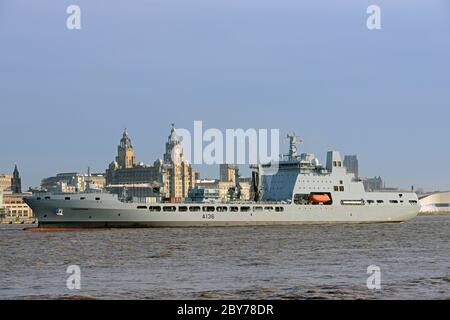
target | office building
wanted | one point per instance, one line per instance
(351, 164)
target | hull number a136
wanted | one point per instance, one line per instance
(208, 216)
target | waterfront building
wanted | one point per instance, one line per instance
(435, 203)
(172, 177)
(145, 192)
(16, 182)
(204, 195)
(5, 181)
(15, 209)
(139, 173)
(228, 173)
(73, 182)
(179, 176)
(125, 171)
(245, 184)
(222, 187)
(227, 189)
(351, 164)
(373, 184)
(2, 212)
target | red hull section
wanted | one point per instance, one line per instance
(40, 229)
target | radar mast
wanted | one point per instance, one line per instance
(294, 141)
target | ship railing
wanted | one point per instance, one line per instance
(212, 203)
(391, 191)
(59, 193)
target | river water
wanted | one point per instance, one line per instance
(297, 262)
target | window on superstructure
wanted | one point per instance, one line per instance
(353, 202)
(341, 188)
(155, 208)
(234, 209)
(336, 188)
(245, 209)
(194, 209)
(183, 209)
(380, 201)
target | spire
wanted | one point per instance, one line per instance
(173, 138)
(16, 182)
(125, 142)
(174, 150)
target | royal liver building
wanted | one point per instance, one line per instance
(171, 177)
(178, 175)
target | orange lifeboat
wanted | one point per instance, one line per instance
(319, 198)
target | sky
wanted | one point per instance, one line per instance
(312, 67)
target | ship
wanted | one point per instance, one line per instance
(298, 191)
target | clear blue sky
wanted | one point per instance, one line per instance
(309, 66)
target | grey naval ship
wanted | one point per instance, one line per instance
(300, 191)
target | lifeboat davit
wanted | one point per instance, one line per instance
(319, 198)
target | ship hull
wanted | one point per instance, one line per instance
(110, 213)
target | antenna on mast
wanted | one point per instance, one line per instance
(294, 141)
(87, 180)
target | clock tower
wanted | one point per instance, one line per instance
(179, 176)
(125, 152)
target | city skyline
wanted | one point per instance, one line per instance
(136, 161)
(67, 95)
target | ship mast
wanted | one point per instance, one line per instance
(294, 141)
